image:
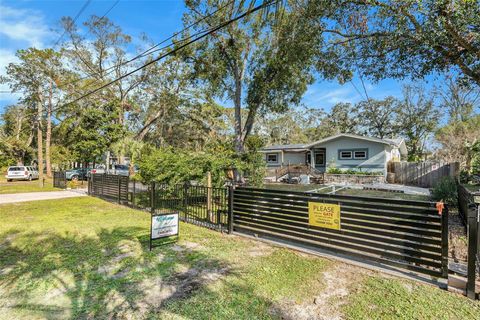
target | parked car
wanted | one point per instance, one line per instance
(77, 174)
(98, 169)
(120, 169)
(21, 173)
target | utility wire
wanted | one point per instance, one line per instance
(150, 50)
(264, 5)
(85, 5)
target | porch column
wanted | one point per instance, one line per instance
(282, 159)
(312, 158)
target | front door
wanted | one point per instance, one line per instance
(320, 160)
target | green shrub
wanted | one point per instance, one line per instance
(177, 166)
(332, 170)
(445, 190)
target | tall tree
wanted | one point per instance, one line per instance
(260, 64)
(459, 98)
(417, 120)
(377, 117)
(459, 140)
(341, 119)
(17, 133)
(100, 53)
(32, 76)
(397, 38)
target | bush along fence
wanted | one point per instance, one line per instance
(469, 210)
(59, 179)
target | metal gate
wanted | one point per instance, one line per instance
(59, 179)
(403, 234)
(109, 186)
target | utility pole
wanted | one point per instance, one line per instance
(39, 138)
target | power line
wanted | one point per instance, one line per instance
(85, 5)
(111, 8)
(222, 25)
(149, 51)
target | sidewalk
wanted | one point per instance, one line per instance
(33, 196)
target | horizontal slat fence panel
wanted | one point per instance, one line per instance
(109, 186)
(405, 234)
(59, 179)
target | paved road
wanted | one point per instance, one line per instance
(33, 196)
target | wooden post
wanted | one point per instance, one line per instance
(209, 196)
(473, 221)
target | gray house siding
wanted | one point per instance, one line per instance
(376, 155)
(343, 151)
(285, 158)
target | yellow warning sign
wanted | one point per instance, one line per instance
(325, 215)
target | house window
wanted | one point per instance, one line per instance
(272, 157)
(319, 158)
(360, 154)
(345, 154)
(353, 154)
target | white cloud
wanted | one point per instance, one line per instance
(19, 29)
(23, 25)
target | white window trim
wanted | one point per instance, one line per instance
(346, 158)
(272, 154)
(360, 158)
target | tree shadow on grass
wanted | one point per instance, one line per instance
(109, 275)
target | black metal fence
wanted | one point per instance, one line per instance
(204, 206)
(59, 179)
(400, 233)
(403, 234)
(469, 211)
(109, 186)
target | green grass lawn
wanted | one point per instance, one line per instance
(89, 259)
(25, 186)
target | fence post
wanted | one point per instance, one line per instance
(152, 197)
(133, 193)
(230, 209)
(119, 189)
(89, 191)
(473, 221)
(185, 195)
(444, 219)
(103, 182)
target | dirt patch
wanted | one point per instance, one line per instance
(181, 285)
(259, 249)
(327, 304)
(458, 248)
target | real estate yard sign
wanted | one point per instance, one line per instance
(163, 226)
(325, 215)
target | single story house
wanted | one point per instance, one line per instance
(343, 151)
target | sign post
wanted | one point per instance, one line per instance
(325, 215)
(163, 226)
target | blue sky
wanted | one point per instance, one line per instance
(34, 23)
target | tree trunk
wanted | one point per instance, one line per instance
(238, 113)
(39, 141)
(49, 134)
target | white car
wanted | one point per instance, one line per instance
(21, 173)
